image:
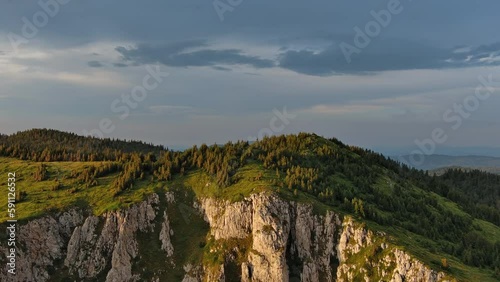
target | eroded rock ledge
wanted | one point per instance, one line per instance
(272, 240)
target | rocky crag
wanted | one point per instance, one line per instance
(261, 238)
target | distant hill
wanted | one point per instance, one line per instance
(432, 162)
(441, 150)
(52, 145)
(441, 171)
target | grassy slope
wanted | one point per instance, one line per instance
(425, 249)
(41, 199)
(100, 199)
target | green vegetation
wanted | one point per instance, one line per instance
(189, 239)
(369, 256)
(45, 145)
(441, 171)
(39, 197)
(454, 216)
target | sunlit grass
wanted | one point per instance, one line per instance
(42, 199)
(252, 178)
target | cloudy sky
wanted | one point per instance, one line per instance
(378, 74)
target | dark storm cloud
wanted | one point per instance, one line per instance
(189, 54)
(81, 22)
(120, 65)
(95, 64)
(387, 55)
(482, 55)
(219, 68)
(379, 56)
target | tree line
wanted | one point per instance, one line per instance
(46, 145)
(356, 180)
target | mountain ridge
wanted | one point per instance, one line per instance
(440, 161)
(304, 168)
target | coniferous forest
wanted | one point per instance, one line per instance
(351, 179)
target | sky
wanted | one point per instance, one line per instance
(397, 76)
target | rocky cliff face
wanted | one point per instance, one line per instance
(262, 238)
(282, 233)
(365, 256)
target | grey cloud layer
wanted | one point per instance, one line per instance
(95, 64)
(385, 55)
(79, 87)
(444, 22)
(181, 54)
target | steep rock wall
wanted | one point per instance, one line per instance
(262, 238)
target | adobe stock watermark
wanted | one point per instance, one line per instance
(223, 6)
(363, 37)
(127, 102)
(454, 117)
(276, 125)
(31, 26)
